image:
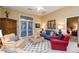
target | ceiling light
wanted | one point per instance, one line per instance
(40, 8)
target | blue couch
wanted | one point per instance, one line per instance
(46, 34)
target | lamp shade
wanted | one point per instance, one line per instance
(43, 26)
(1, 33)
(60, 26)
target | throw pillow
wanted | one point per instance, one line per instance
(14, 38)
(7, 37)
(60, 36)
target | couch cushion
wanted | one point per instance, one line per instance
(48, 32)
(11, 37)
(7, 37)
(14, 38)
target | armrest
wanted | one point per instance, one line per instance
(11, 42)
(59, 41)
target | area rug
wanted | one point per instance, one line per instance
(41, 47)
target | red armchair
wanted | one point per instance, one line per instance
(57, 44)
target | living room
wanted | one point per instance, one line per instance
(38, 20)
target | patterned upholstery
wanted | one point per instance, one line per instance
(7, 43)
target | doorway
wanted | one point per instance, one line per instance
(25, 27)
(72, 28)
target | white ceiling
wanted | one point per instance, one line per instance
(33, 10)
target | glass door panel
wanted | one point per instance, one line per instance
(23, 28)
(30, 28)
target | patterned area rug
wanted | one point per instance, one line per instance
(41, 47)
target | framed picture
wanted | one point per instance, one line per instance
(51, 24)
(37, 25)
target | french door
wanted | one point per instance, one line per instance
(25, 28)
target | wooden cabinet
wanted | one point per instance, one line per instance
(8, 26)
(0, 43)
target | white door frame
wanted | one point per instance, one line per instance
(27, 21)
